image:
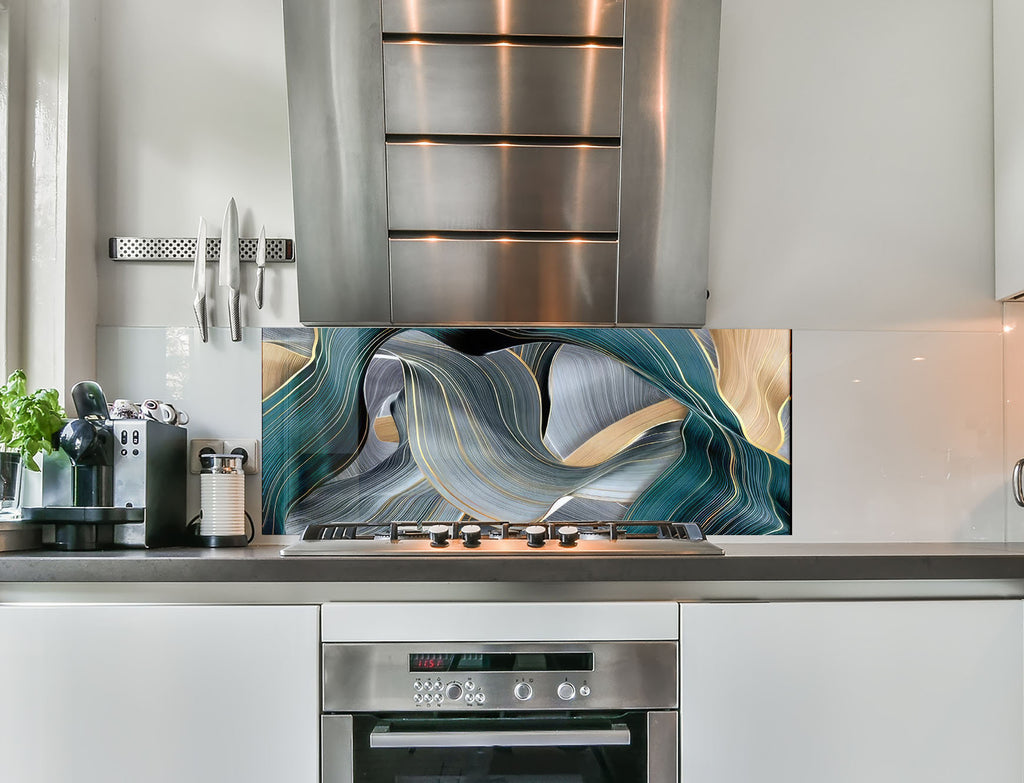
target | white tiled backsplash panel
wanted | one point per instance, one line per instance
(216, 383)
(896, 435)
(1013, 390)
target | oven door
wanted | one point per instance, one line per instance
(630, 747)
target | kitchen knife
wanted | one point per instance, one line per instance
(199, 281)
(261, 262)
(229, 275)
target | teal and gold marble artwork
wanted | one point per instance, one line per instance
(519, 425)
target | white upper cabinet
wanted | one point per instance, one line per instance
(1008, 115)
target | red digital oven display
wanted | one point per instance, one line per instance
(431, 662)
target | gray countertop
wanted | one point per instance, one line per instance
(768, 561)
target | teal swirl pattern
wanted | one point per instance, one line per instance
(374, 425)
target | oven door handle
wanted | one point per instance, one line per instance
(382, 737)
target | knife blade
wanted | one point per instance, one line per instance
(199, 282)
(261, 262)
(229, 274)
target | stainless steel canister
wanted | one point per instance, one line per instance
(222, 498)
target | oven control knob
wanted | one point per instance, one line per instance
(453, 691)
(470, 535)
(522, 691)
(438, 535)
(535, 535)
(568, 535)
(566, 691)
(584, 690)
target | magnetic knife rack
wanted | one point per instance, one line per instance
(279, 251)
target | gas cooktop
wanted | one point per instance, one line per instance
(468, 539)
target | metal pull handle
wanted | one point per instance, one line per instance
(1018, 489)
(383, 737)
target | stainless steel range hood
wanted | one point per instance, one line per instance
(486, 162)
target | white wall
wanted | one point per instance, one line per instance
(852, 203)
(194, 112)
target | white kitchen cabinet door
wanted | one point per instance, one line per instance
(159, 694)
(1008, 119)
(884, 692)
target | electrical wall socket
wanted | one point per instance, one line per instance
(196, 446)
(251, 449)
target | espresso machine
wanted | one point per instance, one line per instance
(113, 483)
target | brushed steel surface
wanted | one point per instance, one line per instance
(420, 548)
(504, 17)
(382, 737)
(336, 121)
(502, 89)
(376, 677)
(670, 80)
(662, 747)
(502, 187)
(150, 472)
(336, 748)
(453, 281)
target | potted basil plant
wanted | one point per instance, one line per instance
(28, 423)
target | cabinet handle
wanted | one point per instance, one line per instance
(1018, 489)
(382, 737)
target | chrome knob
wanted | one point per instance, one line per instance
(470, 535)
(522, 691)
(535, 535)
(453, 691)
(438, 535)
(566, 691)
(568, 535)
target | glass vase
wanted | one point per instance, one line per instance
(11, 470)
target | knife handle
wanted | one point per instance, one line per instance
(234, 317)
(258, 294)
(199, 306)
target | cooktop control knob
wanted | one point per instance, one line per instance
(535, 535)
(470, 535)
(568, 535)
(438, 535)
(453, 691)
(566, 691)
(522, 691)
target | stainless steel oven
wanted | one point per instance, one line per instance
(519, 712)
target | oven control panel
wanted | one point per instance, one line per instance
(478, 677)
(528, 692)
(439, 692)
